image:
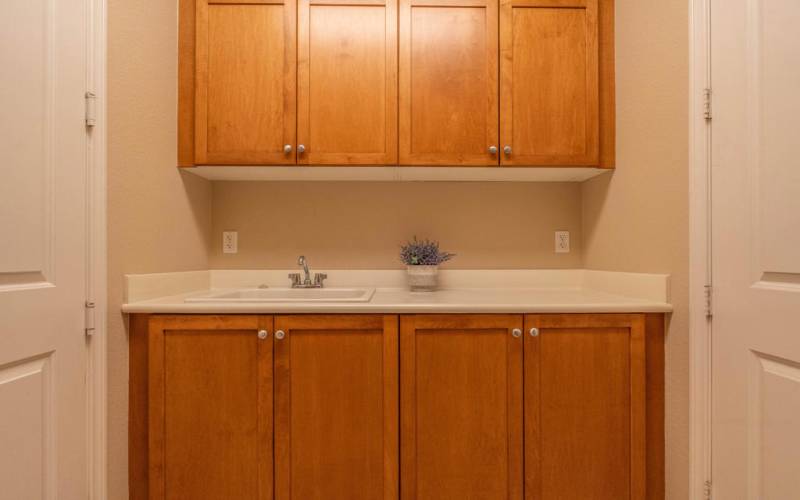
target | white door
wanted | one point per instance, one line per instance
(43, 250)
(755, 59)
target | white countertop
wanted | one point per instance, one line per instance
(523, 291)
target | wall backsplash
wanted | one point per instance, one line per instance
(360, 225)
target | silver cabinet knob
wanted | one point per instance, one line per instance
(492, 150)
(301, 149)
(516, 332)
(534, 332)
(287, 149)
(262, 334)
(280, 334)
(507, 150)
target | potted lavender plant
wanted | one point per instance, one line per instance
(422, 259)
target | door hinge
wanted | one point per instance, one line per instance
(709, 296)
(89, 309)
(707, 104)
(90, 99)
(707, 490)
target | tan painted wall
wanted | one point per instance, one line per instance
(343, 225)
(158, 219)
(637, 220)
(161, 220)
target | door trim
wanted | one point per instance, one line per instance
(700, 269)
(96, 147)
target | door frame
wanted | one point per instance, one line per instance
(700, 268)
(96, 258)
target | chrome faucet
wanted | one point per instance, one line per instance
(301, 261)
(305, 280)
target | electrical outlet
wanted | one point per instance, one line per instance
(230, 242)
(562, 241)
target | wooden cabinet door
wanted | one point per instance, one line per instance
(210, 407)
(585, 407)
(245, 67)
(549, 84)
(336, 405)
(347, 82)
(448, 82)
(461, 407)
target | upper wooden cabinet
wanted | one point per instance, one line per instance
(549, 82)
(448, 82)
(347, 82)
(466, 82)
(244, 81)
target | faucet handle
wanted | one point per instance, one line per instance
(319, 278)
(295, 277)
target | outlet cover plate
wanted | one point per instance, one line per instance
(230, 242)
(562, 241)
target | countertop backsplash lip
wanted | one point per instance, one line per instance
(141, 287)
(480, 291)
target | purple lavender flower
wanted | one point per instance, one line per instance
(423, 253)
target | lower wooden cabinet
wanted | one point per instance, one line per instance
(585, 406)
(461, 407)
(411, 407)
(336, 407)
(210, 408)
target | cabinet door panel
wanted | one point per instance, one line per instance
(448, 79)
(461, 383)
(347, 92)
(245, 82)
(549, 82)
(210, 403)
(585, 407)
(336, 408)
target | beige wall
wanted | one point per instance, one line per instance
(158, 219)
(342, 225)
(637, 220)
(162, 220)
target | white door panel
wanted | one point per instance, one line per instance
(26, 93)
(26, 397)
(43, 254)
(776, 112)
(774, 442)
(756, 249)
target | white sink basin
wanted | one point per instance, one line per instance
(289, 295)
